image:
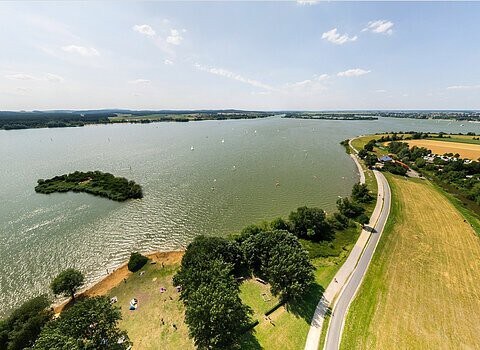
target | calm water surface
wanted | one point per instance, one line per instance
(215, 189)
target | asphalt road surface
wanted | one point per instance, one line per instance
(334, 333)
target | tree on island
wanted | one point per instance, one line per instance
(91, 323)
(67, 283)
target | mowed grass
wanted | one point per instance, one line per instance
(151, 326)
(422, 289)
(466, 150)
(288, 326)
(258, 297)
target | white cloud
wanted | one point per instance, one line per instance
(381, 91)
(356, 72)
(54, 78)
(28, 77)
(380, 26)
(336, 38)
(139, 81)
(313, 84)
(144, 29)
(175, 38)
(20, 76)
(308, 2)
(235, 76)
(81, 50)
(463, 87)
(167, 62)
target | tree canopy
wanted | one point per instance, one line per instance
(278, 257)
(90, 323)
(310, 223)
(93, 182)
(136, 261)
(22, 327)
(214, 312)
(361, 193)
(67, 282)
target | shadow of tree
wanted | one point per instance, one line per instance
(250, 342)
(305, 306)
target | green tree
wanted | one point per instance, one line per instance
(198, 257)
(362, 153)
(91, 323)
(279, 257)
(22, 327)
(363, 219)
(370, 160)
(214, 313)
(361, 193)
(67, 283)
(279, 224)
(369, 146)
(349, 208)
(338, 221)
(310, 223)
(136, 261)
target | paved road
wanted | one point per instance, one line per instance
(334, 332)
(343, 274)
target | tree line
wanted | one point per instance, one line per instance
(213, 268)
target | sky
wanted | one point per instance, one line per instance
(290, 55)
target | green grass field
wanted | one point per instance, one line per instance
(422, 289)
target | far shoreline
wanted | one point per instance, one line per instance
(114, 278)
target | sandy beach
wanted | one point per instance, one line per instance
(119, 274)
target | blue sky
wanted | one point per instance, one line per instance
(248, 55)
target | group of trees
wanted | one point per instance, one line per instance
(93, 182)
(209, 276)
(89, 323)
(38, 119)
(211, 272)
(213, 267)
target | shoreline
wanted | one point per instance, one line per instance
(106, 283)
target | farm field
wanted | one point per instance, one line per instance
(466, 150)
(427, 266)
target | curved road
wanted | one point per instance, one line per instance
(337, 321)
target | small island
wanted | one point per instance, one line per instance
(93, 182)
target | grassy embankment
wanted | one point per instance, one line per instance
(423, 286)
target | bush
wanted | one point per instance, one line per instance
(349, 208)
(136, 262)
(363, 219)
(361, 194)
(395, 168)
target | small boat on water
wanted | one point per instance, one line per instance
(192, 148)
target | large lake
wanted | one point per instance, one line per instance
(262, 169)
